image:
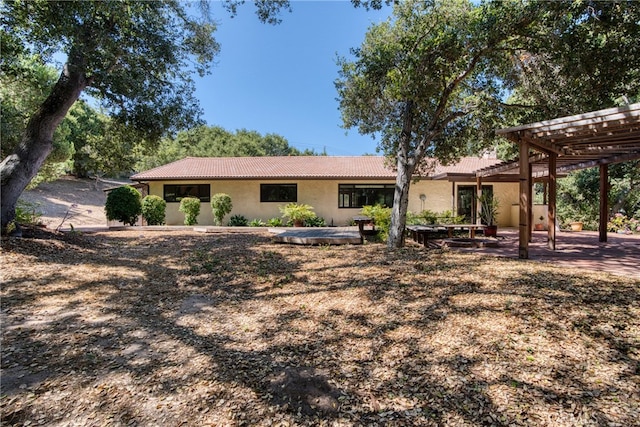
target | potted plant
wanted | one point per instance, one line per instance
(488, 213)
(540, 225)
(576, 225)
(297, 212)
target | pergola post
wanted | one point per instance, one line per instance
(604, 201)
(530, 200)
(478, 203)
(553, 192)
(525, 186)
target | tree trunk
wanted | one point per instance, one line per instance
(400, 204)
(406, 166)
(23, 164)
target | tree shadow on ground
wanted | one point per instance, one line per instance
(267, 331)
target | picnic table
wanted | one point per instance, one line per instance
(419, 232)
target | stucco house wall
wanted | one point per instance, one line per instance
(317, 180)
(323, 196)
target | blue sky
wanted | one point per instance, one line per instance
(280, 79)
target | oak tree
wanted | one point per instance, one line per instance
(136, 58)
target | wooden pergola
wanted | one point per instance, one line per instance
(552, 148)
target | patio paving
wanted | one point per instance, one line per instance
(619, 255)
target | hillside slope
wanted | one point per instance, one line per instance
(81, 200)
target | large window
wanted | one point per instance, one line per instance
(175, 193)
(359, 195)
(278, 192)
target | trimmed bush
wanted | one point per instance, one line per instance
(124, 205)
(257, 223)
(153, 209)
(190, 206)
(238, 221)
(221, 205)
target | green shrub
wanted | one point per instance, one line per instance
(124, 205)
(153, 209)
(316, 221)
(275, 222)
(238, 221)
(448, 217)
(422, 218)
(221, 205)
(28, 213)
(257, 223)
(620, 223)
(297, 212)
(381, 217)
(190, 206)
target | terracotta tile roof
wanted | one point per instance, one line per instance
(299, 167)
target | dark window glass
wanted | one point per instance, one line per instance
(175, 193)
(359, 195)
(278, 192)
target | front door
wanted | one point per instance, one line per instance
(467, 201)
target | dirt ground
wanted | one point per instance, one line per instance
(175, 328)
(143, 327)
(80, 202)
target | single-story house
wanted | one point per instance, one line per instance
(337, 187)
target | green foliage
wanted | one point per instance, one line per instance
(238, 221)
(22, 90)
(489, 206)
(21, 93)
(579, 194)
(384, 90)
(297, 212)
(622, 224)
(207, 141)
(381, 217)
(574, 45)
(103, 146)
(190, 206)
(104, 40)
(257, 222)
(124, 204)
(28, 213)
(221, 205)
(153, 209)
(424, 217)
(275, 222)
(315, 221)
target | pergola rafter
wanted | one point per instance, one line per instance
(552, 148)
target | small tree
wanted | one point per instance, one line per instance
(124, 205)
(221, 205)
(190, 206)
(153, 209)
